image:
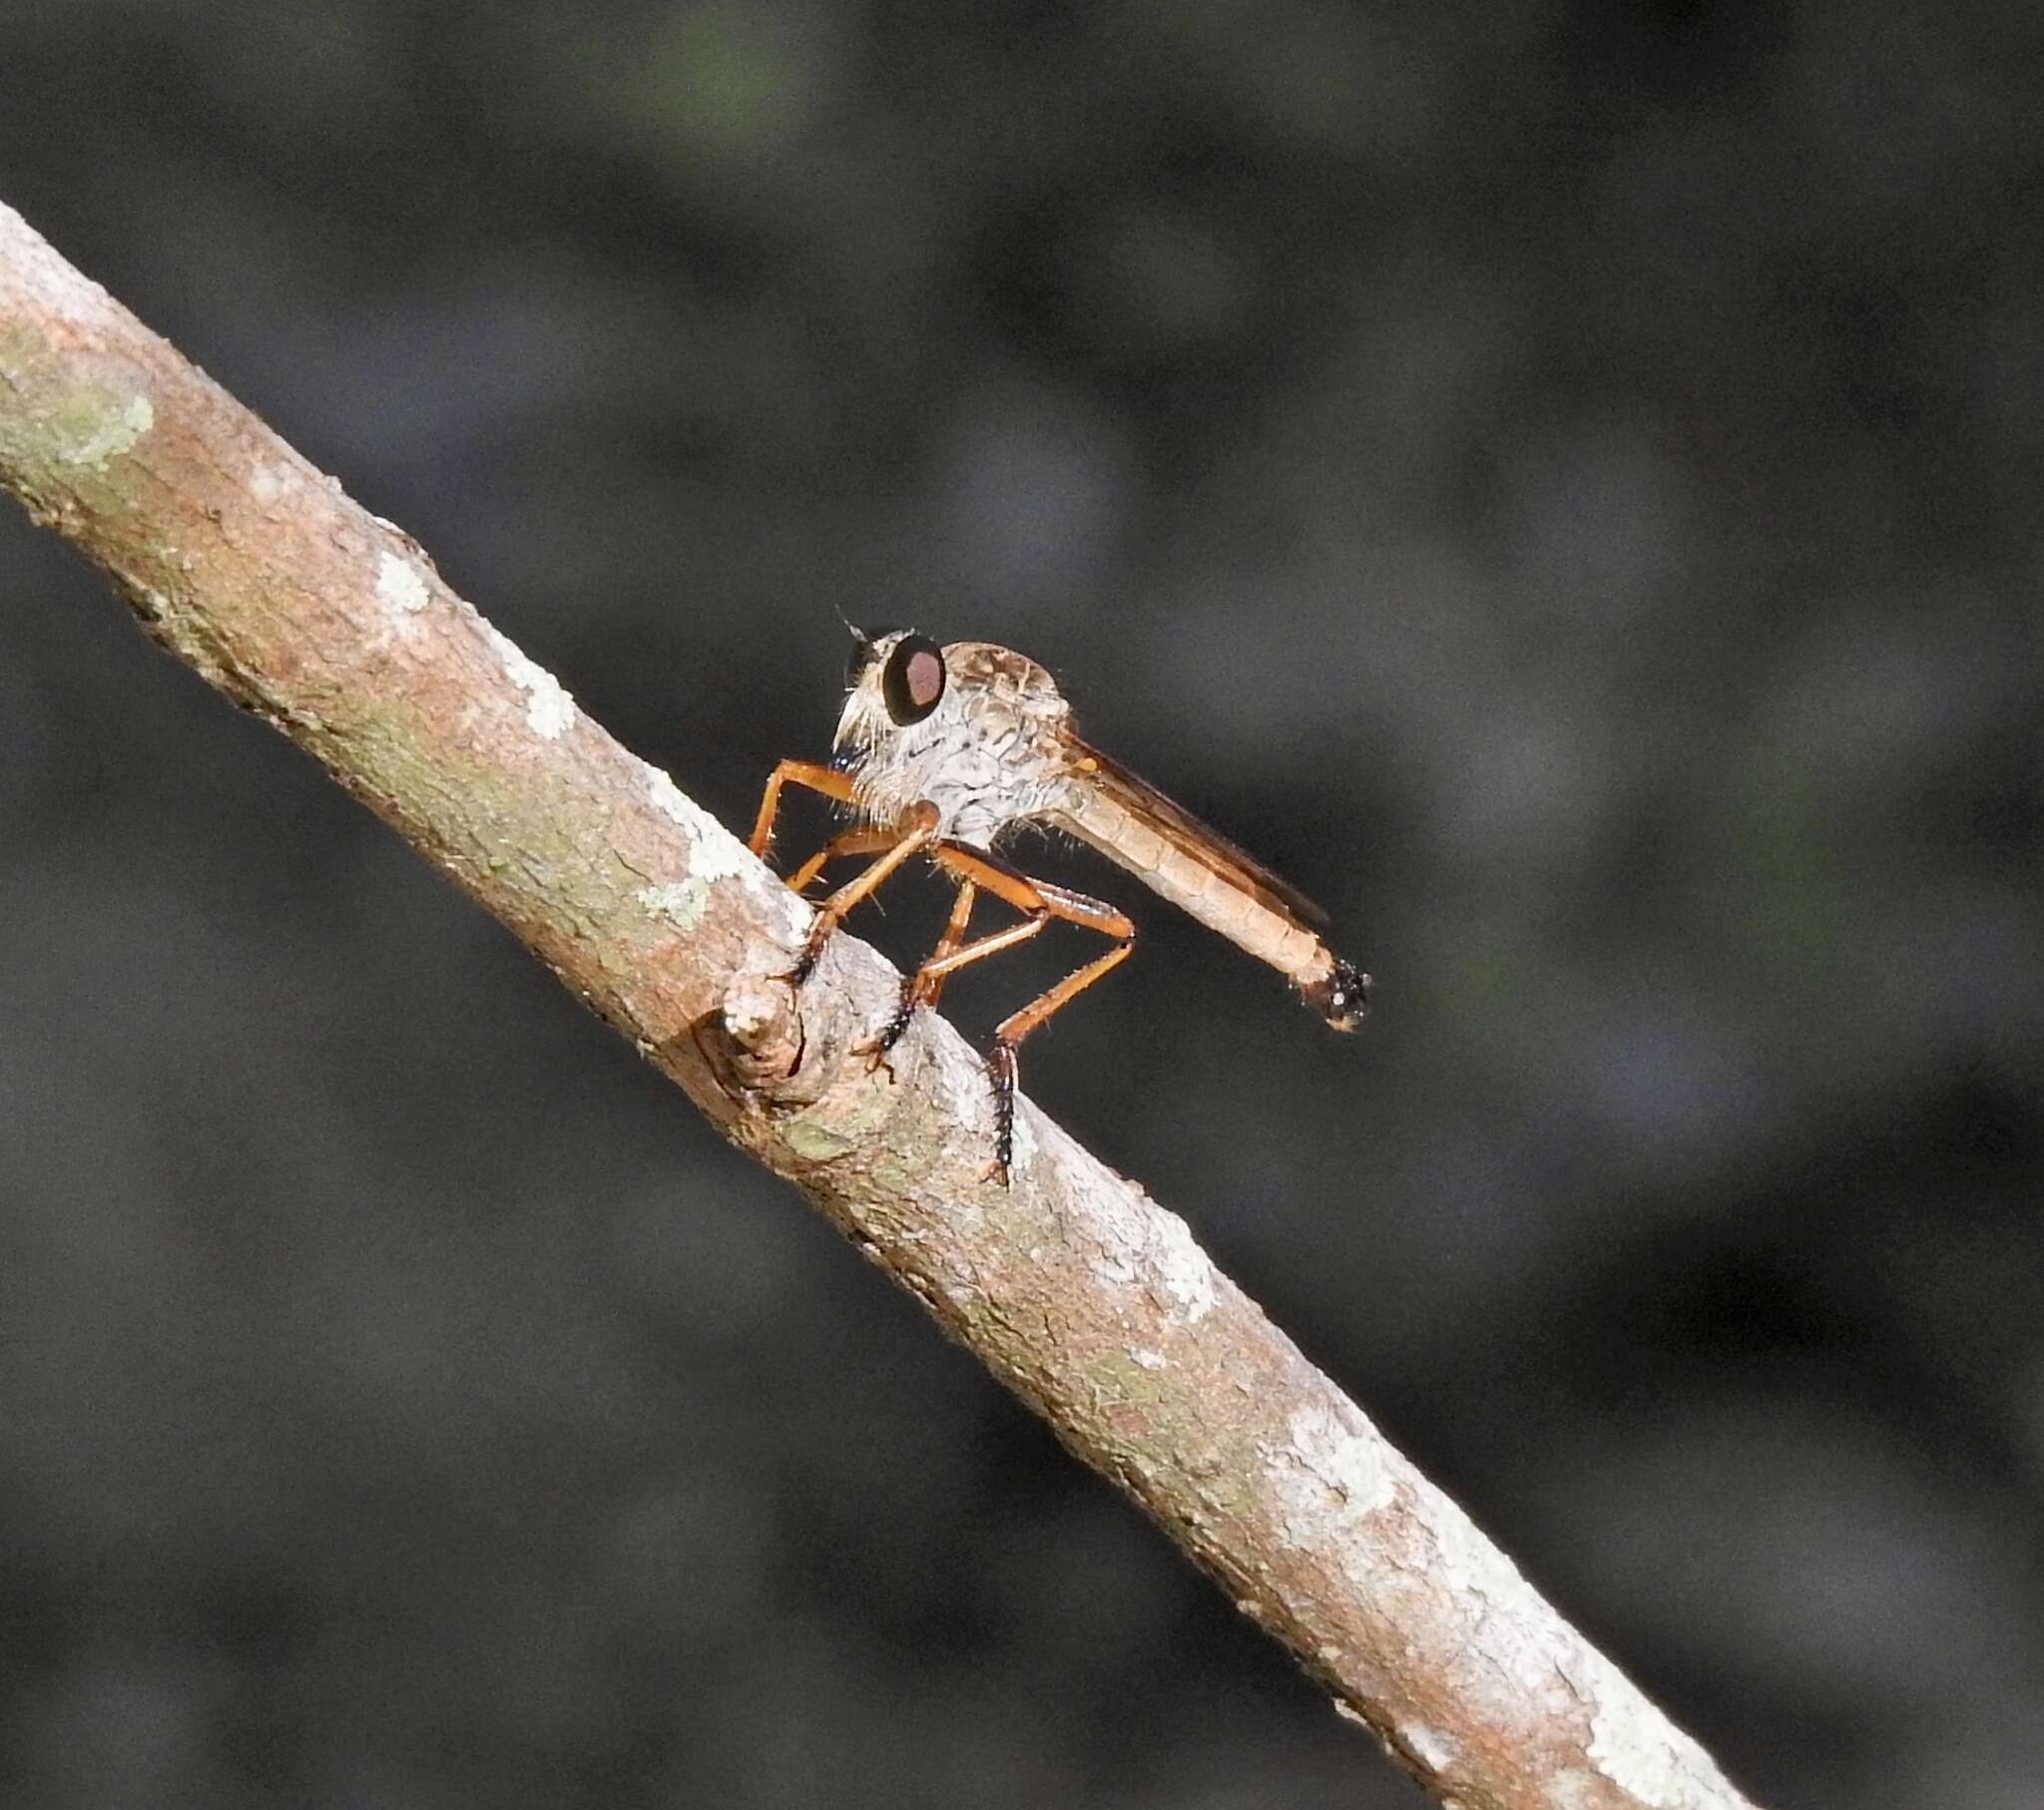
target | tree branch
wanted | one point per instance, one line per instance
(1090, 1301)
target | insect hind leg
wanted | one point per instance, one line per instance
(977, 870)
(1000, 1059)
(1044, 901)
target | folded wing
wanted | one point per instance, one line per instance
(1184, 833)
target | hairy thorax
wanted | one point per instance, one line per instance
(988, 758)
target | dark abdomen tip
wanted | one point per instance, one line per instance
(1342, 999)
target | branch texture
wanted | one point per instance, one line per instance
(1089, 1300)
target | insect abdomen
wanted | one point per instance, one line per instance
(1198, 889)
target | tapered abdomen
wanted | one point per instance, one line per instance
(1231, 901)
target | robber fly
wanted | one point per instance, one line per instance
(940, 751)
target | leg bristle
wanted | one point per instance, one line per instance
(1000, 1073)
(897, 1026)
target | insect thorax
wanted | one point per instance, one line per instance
(978, 791)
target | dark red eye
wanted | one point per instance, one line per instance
(913, 683)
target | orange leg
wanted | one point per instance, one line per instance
(817, 778)
(1000, 1059)
(921, 825)
(971, 870)
(928, 981)
(861, 840)
(1018, 1025)
(1041, 901)
(922, 987)
(975, 872)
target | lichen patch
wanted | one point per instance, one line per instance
(680, 902)
(1637, 1748)
(714, 852)
(1154, 1249)
(1330, 1475)
(93, 425)
(403, 595)
(1428, 1746)
(271, 483)
(549, 710)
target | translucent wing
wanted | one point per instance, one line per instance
(1185, 832)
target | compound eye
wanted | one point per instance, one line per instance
(914, 683)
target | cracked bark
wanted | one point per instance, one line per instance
(1089, 1300)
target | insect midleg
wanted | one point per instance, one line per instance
(1042, 901)
(972, 871)
(809, 773)
(862, 839)
(921, 826)
(927, 982)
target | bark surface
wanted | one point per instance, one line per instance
(1074, 1287)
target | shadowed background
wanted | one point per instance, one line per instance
(1558, 481)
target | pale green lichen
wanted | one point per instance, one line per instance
(1124, 1376)
(889, 1174)
(817, 1140)
(270, 484)
(1334, 1472)
(835, 1127)
(93, 424)
(1155, 1250)
(680, 902)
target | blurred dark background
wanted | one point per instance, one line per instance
(1561, 481)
